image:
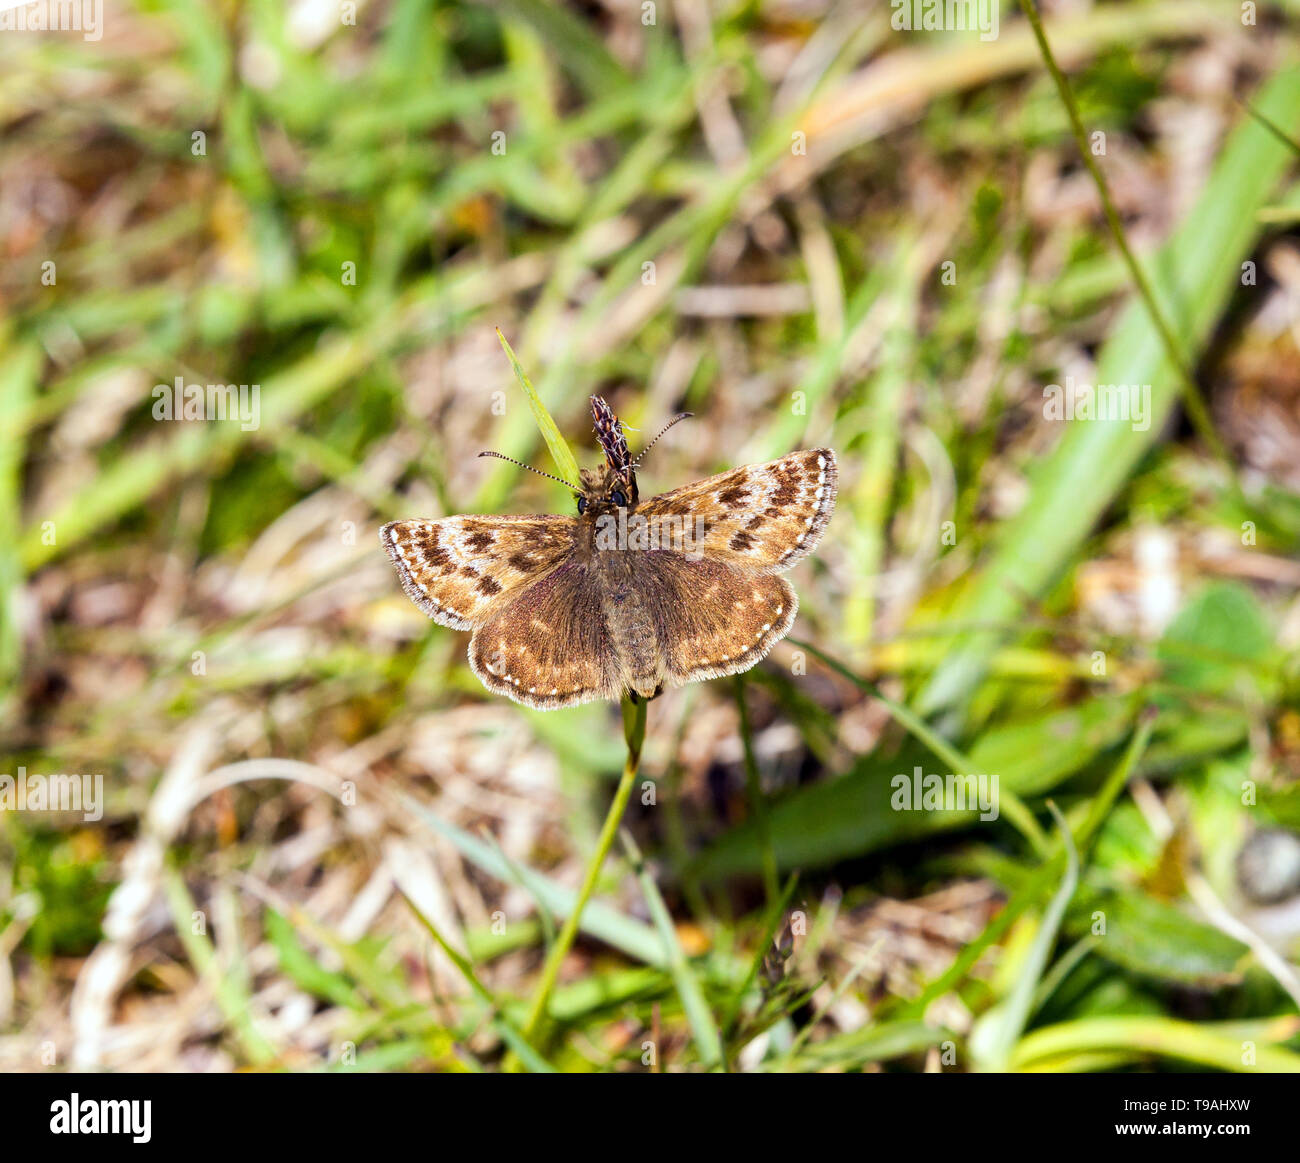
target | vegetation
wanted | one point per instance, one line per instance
(325, 847)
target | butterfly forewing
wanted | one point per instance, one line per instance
(460, 570)
(762, 516)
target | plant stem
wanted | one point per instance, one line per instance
(757, 805)
(634, 731)
(504, 1027)
(1192, 400)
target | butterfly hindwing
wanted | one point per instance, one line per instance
(549, 645)
(460, 570)
(762, 516)
(714, 618)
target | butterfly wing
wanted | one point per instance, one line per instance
(712, 618)
(549, 646)
(538, 609)
(462, 570)
(763, 517)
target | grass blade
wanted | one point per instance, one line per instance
(550, 432)
(698, 1014)
(1193, 276)
(1002, 1026)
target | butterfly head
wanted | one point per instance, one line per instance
(613, 443)
(613, 485)
(604, 491)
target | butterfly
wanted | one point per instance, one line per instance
(627, 596)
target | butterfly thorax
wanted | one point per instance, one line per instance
(608, 541)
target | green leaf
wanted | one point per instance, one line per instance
(1193, 277)
(574, 43)
(560, 453)
(1147, 936)
(1216, 640)
(853, 815)
(1035, 755)
(873, 1043)
(1218, 1045)
(304, 969)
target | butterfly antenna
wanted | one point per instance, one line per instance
(529, 467)
(648, 447)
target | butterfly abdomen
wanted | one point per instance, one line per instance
(630, 623)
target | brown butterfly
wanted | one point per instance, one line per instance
(628, 596)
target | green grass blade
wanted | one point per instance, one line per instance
(560, 453)
(599, 920)
(1203, 1045)
(1003, 1026)
(228, 989)
(704, 1029)
(1193, 277)
(505, 1028)
(18, 374)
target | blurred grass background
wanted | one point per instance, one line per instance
(326, 847)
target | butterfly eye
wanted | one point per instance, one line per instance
(618, 498)
(582, 505)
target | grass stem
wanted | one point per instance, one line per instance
(634, 716)
(1195, 405)
(754, 788)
